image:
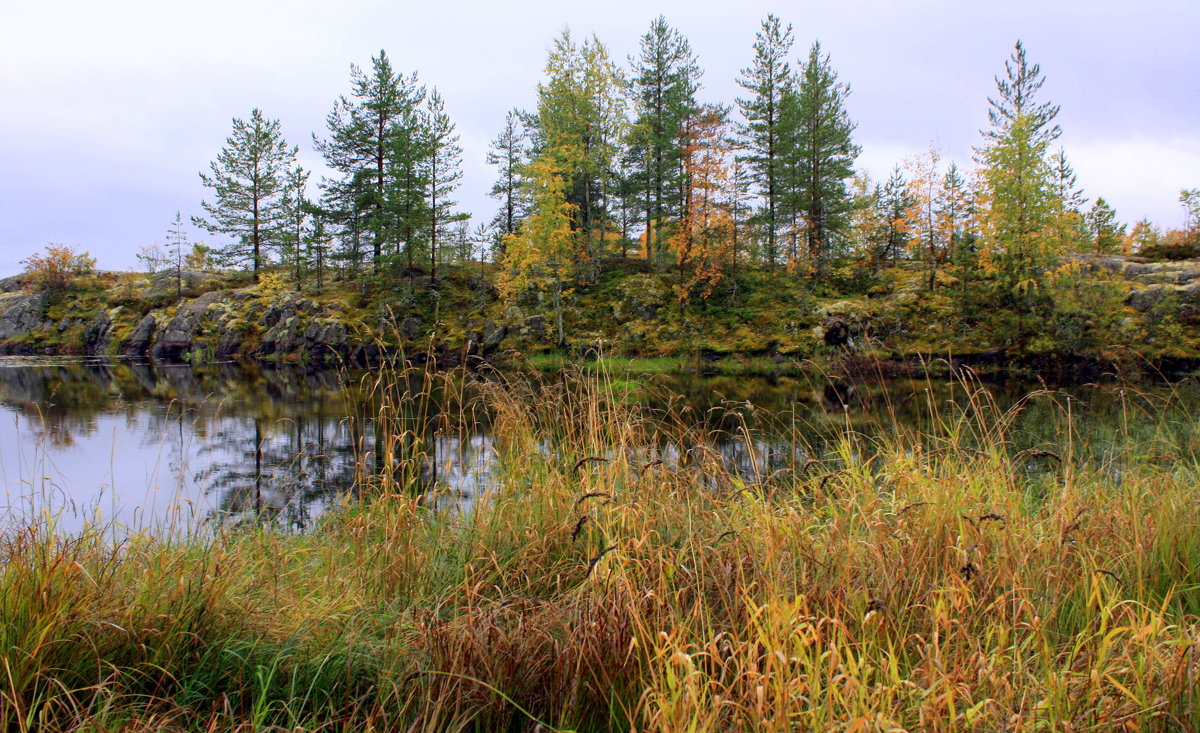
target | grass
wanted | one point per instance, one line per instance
(620, 576)
(734, 365)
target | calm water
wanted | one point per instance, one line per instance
(147, 445)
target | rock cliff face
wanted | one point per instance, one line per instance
(22, 313)
(1156, 305)
(1154, 284)
(225, 324)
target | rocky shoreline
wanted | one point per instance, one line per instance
(146, 318)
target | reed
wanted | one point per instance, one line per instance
(619, 575)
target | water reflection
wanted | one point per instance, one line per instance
(144, 444)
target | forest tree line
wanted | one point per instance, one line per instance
(625, 161)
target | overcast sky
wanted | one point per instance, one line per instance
(110, 109)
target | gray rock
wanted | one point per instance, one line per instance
(493, 335)
(1145, 300)
(229, 341)
(97, 334)
(12, 284)
(1190, 294)
(330, 334)
(21, 314)
(177, 336)
(535, 326)
(139, 341)
(411, 327)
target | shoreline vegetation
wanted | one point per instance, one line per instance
(1144, 323)
(925, 579)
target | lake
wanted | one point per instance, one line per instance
(144, 445)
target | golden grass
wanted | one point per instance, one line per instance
(925, 582)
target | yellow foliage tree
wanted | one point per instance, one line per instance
(538, 256)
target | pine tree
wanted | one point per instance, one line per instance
(177, 244)
(509, 153)
(444, 174)
(317, 246)
(1015, 98)
(868, 223)
(1069, 202)
(665, 79)
(628, 200)
(248, 181)
(954, 219)
(1107, 235)
(485, 242)
(1020, 240)
(374, 140)
(1145, 234)
(820, 156)
(297, 208)
(740, 184)
(896, 204)
(768, 80)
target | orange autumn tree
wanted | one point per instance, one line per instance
(54, 272)
(701, 244)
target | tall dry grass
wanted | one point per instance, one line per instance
(620, 575)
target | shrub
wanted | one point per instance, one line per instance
(54, 272)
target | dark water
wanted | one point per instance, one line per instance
(147, 445)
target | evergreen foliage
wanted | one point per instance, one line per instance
(819, 160)
(768, 80)
(509, 152)
(664, 82)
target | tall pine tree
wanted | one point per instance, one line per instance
(665, 79)
(248, 181)
(509, 153)
(373, 144)
(443, 174)
(768, 80)
(820, 156)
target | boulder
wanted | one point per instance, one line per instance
(21, 314)
(177, 335)
(12, 284)
(837, 331)
(139, 341)
(493, 335)
(97, 334)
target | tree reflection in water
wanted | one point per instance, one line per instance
(247, 443)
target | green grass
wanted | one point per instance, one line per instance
(921, 581)
(736, 365)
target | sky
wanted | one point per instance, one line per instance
(111, 109)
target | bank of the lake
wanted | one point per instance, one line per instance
(1000, 563)
(1115, 313)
